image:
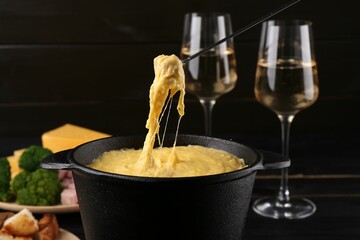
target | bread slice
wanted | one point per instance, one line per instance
(49, 227)
(5, 235)
(4, 216)
(22, 223)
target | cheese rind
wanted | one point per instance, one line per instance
(69, 136)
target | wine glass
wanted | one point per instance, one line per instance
(286, 83)
(213, 73)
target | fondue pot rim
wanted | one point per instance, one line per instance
(68, 160)
(220, 177)
(227, 175)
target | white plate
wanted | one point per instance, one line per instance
(65, 235)
(40, 209)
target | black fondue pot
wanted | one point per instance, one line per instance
(119, 207)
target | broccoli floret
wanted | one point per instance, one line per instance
(32, 156)
(4, 179)
(19, 181)
(42, 188)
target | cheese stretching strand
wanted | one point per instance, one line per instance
(169, 79)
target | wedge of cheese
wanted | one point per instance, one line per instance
(14, 162)
(14, 165)
(69, 136)
(17, 153)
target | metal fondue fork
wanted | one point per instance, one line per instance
(256, 22)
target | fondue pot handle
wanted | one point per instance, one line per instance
(273, 160)
(57, 160)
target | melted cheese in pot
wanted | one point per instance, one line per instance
(191, 160)
(177, 161)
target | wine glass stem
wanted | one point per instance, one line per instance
(284, 194)
(208, 105)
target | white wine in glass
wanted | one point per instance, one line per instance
(213, 73)
(286, 82)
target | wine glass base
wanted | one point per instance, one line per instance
(296, 208)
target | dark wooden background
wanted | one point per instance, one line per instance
(90, 63)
